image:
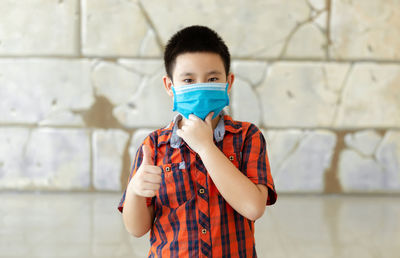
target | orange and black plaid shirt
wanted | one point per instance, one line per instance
(192, 219)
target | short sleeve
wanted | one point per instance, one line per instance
(136, 164)
(255, 163)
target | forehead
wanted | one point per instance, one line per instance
(198, 63)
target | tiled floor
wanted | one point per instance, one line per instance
(89, 225)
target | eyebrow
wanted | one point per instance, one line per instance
(209, 73)
(214, 72)
(186, 74)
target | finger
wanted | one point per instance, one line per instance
(193, 117)
(152, 178)
(189, 122)
(179, 132)
(147, 159)
(209, 118)
(148, 193)
(150, 186)
(152, 169)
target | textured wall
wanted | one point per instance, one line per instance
(80, 87)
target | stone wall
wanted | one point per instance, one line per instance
(80, 87)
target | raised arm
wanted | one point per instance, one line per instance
(138, 216)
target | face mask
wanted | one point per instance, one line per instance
(200, 99)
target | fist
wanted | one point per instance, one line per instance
(147, 179)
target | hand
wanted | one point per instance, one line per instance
(147, 179)
(198, 134)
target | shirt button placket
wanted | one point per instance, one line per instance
(203, 211)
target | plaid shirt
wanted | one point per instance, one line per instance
(192, 219)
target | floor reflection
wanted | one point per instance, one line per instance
(89, 225)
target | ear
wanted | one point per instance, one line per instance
(230, 80)
(167, 84)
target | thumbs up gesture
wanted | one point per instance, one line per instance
(147, 179)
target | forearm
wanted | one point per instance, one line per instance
(239, 191)
(138, 218)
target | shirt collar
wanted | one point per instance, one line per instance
(219, 131)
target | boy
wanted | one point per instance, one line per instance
(200, 183)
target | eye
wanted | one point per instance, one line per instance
(188, 81)
(213, 79)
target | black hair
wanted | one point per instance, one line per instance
(195, 38)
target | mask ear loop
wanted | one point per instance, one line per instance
(173, 90)
(226, 92)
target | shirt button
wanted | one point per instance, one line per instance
(204, 231)
(231, 158)
(167, 169)
(201, 191)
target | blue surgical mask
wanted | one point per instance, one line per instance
(200, 99)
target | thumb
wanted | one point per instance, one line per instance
(147, 159)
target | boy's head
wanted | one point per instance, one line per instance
(195, 55)
(195, 39)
